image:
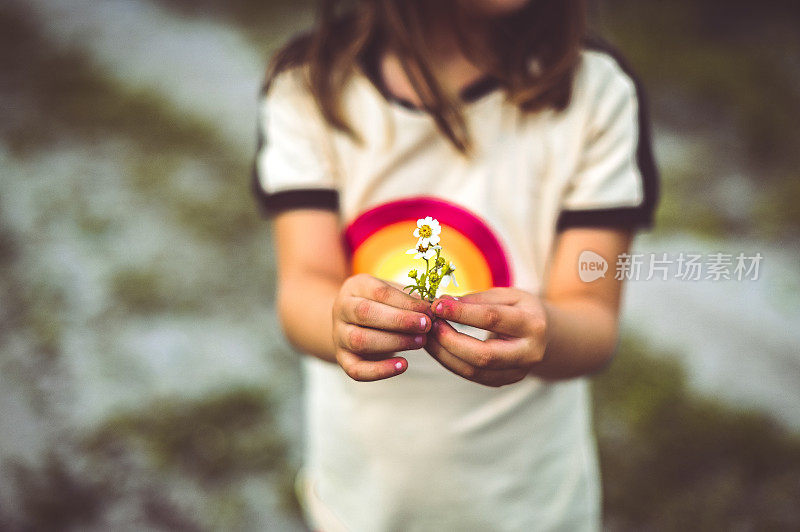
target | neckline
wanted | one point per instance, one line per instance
(471, 93)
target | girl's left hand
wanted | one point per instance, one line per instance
(517, 322)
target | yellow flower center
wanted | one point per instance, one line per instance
(425, 231)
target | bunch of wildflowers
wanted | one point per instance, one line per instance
(438, 271)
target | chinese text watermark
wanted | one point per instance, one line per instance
(664, 266)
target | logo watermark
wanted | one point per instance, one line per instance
(664, 266)
(591, 266)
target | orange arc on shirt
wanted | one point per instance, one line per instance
(379, 238)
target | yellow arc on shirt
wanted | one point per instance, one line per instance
(383, 255)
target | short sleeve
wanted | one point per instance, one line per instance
(292, 167)
(616, 182)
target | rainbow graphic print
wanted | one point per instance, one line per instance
(377, 241)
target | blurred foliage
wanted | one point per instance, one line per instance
(734, 58)
(262, 20)
(136, 462)
(145, 291)
(140, 468)
(728, 71)
(69, 490)
(684, 205)
(217, 439)
(10, 287)
(51, 93)
(216, 214)
(672, 460)
(37, 308)
(57, 499)
(54, 95)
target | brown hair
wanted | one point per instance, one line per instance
(534, 53)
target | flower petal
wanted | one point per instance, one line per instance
(416, 232)
(410, 251)
(435, 239)
(445, 281)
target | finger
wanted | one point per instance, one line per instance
(503, 319)
(365, 341)
(362, 370)
(369, 313)
(493, 296)
(489, 377)
(383, 292)
(449, 360)
(399, 286)
(484, 354)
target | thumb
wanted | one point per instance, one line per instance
(397, 285)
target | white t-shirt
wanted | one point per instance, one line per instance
(429, 450)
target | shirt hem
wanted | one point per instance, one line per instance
(317, 515)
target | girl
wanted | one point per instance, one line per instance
(529, 146)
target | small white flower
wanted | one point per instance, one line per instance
(422, 253)
(416, 252)
(428, 230)
(451, 276)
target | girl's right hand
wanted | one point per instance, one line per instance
(373, 319)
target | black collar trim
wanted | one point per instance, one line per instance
(474, 91)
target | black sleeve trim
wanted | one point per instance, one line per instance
(642, 215)
(630, 217)
(299, 198)
(271, 204)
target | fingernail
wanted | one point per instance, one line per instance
(439, 307)
(423, 323)
(398, 366)
(419, 340)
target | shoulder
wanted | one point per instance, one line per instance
(287, 100)
(604, 75)
(286, 80)
(291, 56)
(288, 84)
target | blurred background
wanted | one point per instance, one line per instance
(144, 382)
